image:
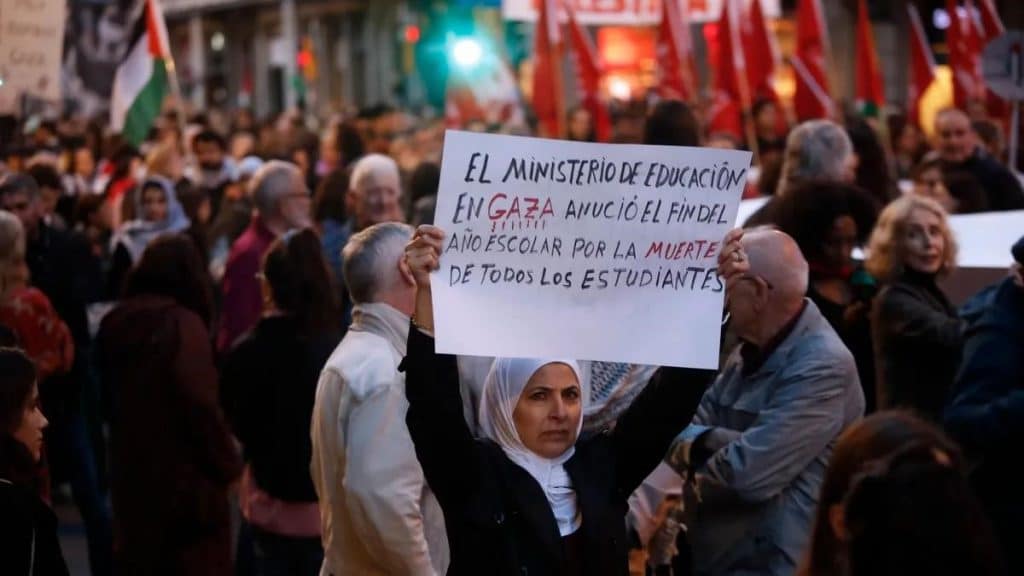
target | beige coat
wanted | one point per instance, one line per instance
(378, 516)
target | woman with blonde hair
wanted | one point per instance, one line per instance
(915, 329)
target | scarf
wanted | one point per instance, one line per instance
(504, 385)
(137, 234)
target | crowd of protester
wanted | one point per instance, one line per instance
(225, 337)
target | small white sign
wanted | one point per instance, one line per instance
(31, 39)
(589, 251)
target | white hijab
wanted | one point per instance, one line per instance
(504, 385)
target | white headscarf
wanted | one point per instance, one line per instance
(136, 234)
(504, 385)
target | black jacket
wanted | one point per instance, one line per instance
(1001, 187)
(917, 338)
(987, 412)
(497, 517)
(28, 534)
(268, 386)
(63, 267)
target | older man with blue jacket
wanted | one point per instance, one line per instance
(757, 450)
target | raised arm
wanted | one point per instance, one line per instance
(668, 404)
(443, 442)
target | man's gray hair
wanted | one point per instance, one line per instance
(271, 183)
(816, 150)
(370, 259)
(371, 167)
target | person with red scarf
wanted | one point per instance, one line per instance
(829, 220)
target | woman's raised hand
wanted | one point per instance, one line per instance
(423, 254)
(732, 259)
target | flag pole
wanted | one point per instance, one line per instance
(1014, 113)
(745, 96)
(682, 25)
(557, 53)
(172, 80)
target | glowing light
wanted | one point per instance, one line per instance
(412, 34)
(467, 52)
(619, 88)
(217, 42)
(940, 18)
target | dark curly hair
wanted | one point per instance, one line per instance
(809, 209)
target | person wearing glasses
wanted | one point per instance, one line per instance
(758, 447)
(282, 202)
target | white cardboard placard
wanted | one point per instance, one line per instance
(529, 271)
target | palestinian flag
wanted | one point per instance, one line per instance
(141, 81)
(870, 90)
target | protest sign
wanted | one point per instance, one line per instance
(589, 251)
(31, 39)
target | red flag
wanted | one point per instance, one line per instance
(991, 28)
(964, 46)
(677, 69)
(870, 90)
(812, 98)
(759, 52)
(762, 61)
(922, 65)
(547, 72)
(729, 100)
(992, 25)
(588, 78)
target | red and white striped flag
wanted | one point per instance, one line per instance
(962, 38)
(729, 99)
(676, 66)
(547, 72)
(588, 77)
(813, 98)
(922, 65)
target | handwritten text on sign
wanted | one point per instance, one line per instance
(591, 251)
(31, 37)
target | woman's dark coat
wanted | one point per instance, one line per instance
(498, 518)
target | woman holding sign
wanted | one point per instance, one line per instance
(532, 497)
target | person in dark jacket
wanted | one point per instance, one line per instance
(63, 268)
(828, 219)
(28, 527)
(172, 448)
(268, 385)
(916, 331)
(986, 414)
(533, 498)
(959, 150)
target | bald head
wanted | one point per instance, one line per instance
(767, 298)
(955, 138)
(775, 256)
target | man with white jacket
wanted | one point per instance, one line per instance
(378, 516)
